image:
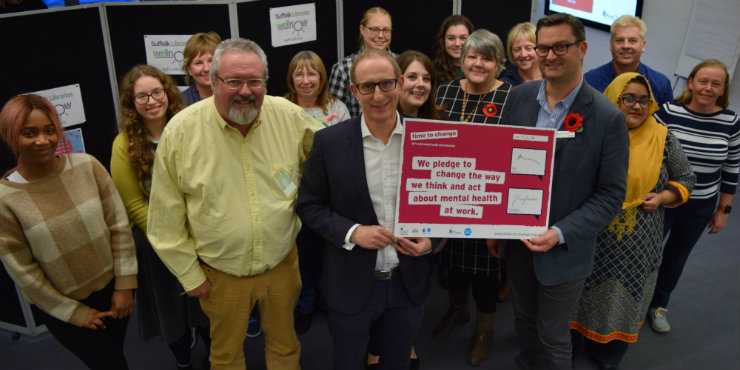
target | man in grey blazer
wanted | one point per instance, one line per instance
(589, 184)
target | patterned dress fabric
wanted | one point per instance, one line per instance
(616, 296)
(471, 255)
(476, 108)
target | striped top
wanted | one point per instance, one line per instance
(711, 143)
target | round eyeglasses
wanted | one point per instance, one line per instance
(143, 98)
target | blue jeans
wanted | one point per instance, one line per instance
(686, 224)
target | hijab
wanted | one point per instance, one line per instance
(647, 143)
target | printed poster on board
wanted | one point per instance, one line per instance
(166, 52)
(67, 100)
(466, 180)
(293, 24)
(72, 142)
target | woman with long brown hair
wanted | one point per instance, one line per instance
(418, 86)
(453, 32)
(149, 98)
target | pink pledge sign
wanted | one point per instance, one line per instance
(474, 181)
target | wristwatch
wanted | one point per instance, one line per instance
(726, 209)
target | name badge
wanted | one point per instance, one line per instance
(564, 134)
(285, 183)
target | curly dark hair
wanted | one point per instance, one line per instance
(140, 146)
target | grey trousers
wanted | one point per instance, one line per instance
(541, 313)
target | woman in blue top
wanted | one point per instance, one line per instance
(710, 136)
(197, 55)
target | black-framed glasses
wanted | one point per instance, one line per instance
(375, 30)
(142, 98)
(630, 101)
(559, 48)
(367, 88)
(237, 83)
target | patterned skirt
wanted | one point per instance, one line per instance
(616, 296)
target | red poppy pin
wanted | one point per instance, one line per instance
(573, 122)
(490, 110)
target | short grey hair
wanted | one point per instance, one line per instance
(485, 42)
(240, 45)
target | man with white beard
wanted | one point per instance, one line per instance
(222, 217)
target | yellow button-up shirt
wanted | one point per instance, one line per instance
(226, 199)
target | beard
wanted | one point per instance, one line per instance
(243, 116)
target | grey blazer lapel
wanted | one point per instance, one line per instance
(529, 118)
(581, 106)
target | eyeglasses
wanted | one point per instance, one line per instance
(375, 30)
(630, 101)
(142, 98)
(558, 49)
(237, 83)
(367, 88)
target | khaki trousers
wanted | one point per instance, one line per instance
(230, 302)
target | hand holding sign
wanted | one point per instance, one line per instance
(413, 247)
(372, 237)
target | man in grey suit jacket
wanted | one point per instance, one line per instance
(589, 184)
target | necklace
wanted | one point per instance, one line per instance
(465, 102)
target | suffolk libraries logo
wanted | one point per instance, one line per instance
(296, 21)
(166, 52)
(293, 24)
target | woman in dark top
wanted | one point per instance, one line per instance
(522, 66)
(479, 98)
(198, 54)
(452, 34)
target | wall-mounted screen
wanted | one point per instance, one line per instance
(595, 13)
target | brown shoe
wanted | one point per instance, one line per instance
(481, 344)
(457, 314)
(503, 291)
